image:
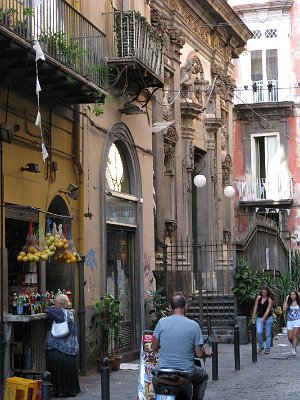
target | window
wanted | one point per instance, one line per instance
(264, 65)
(256, 65)
(117, 4)
(271, 33)
(117, 177)
(266, 165)
(271, 64)
(256, 34)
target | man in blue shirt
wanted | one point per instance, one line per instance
(179, 340)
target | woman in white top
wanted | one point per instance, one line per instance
(292, 305)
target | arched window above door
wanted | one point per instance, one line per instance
(117, 175)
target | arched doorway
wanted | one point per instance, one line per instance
(122, 241)
(59, 276)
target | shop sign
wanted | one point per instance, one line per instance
(120, 211)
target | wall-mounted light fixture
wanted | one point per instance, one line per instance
(31, 167)
(131, 109)
(6, 133)
(71, 191)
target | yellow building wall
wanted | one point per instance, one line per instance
(34, 189)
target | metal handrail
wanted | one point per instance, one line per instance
(62, 31)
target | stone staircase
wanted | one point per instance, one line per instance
(218, 311)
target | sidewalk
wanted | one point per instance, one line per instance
(274, 376)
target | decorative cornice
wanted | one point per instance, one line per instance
(269, 6)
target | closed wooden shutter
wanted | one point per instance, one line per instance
(117, 4)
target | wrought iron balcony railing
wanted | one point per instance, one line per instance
(135, 39)
(260, 92)
(63, 33)
(272, 189)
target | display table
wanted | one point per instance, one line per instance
(30, 330)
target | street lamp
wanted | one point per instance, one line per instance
(229, 191)
(199, 180)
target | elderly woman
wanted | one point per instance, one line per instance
(61, 352)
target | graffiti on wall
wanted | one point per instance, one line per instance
(90, 259)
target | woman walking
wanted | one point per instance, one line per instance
(61, 351)
(292, 306)
(264, 321)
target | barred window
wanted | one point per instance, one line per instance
(256, 34)
(271, 33)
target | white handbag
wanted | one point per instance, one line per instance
(60, 329)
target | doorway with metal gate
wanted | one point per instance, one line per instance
(120, 279)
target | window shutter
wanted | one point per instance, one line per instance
(118, 4)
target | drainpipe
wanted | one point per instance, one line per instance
(81, 302)
(2, 337)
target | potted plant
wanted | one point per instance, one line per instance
(108, 317)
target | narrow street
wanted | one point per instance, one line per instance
(274, 376)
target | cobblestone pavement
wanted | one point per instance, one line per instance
(274, 376)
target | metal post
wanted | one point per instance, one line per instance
(237, 363)
(215, 376)
(104, 371)
(46, 386)
(254, 350)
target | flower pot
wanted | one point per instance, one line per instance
(116, 363)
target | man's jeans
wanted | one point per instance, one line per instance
(199, 378)
(260, 326)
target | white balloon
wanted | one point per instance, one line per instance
(200, 180)
(229, 191)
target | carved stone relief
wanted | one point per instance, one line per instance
(168, 108)
(170, 141)
(192, 80)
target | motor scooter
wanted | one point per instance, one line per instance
(172, 384)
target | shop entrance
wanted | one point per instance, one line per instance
(120, 279)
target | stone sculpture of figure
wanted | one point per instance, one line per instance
(186, 80)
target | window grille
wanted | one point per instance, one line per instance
(271, 33)
(256, 34)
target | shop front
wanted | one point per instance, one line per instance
(40, 261)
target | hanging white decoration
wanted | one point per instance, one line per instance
(39, 54)
(38, 86)
(38, 120)
(44, 152)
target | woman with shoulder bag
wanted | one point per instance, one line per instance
(61, 349)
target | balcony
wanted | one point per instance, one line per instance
(260, 92)
(275, 190)
(74, 69)
(136, 51)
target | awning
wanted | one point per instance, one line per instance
(160, 126)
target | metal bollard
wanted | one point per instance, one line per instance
(46, 386)
(254, 349)
(214, 366)
(104, 371)
(236, 336)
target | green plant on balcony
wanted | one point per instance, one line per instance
(65, 48)
(124, 25)
(16, 20)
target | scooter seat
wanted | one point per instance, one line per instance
(170, 372)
